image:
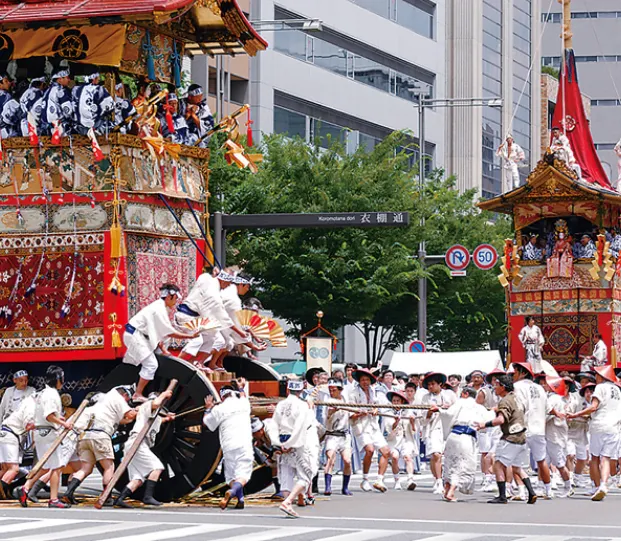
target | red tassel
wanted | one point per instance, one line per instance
(56, 134)
(32, 131)
(97, 153)
(169, 117)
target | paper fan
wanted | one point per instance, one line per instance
(201, 324)
(251, 321)
(277, 335)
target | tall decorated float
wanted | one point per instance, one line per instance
(561, 267)
(91, 226)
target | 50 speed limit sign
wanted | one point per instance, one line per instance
(485, 256)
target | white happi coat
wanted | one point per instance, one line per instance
(204, 298)
(598, 358)
(13, 428)
(460, 450)
(366, 423)
(532, 339)
(232, 305)
(232, 419)
(11, 400)
(152, 326)
(105, 416)
(511, 161)
(48, 402)
(297, 426)
(432, 426)
(144, 461)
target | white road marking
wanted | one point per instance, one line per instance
(175, 533)
(92, 531)
(360, 535)
(449, 536)
(38, 524)
(274, 533)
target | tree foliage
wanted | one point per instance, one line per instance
(365, 277)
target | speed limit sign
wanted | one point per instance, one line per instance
(485, 256)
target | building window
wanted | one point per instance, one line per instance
(348, 64)
(416, 15)
(290, 123)
(558, 17)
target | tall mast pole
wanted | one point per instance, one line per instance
(567, 34)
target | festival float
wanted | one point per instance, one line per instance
(91, 226)
(567, 198)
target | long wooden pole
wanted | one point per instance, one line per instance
(132, 452)
(59, 439)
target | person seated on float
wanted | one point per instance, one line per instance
(587, 247)
(531, 252)
(197, 113)
(55, 107)
(174, 126)
(123, 108)
(31, 95)
(92, 104)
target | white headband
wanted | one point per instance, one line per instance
(165, 292)
(195, 91)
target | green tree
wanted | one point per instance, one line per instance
(356, 276)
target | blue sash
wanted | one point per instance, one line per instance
(462, 429)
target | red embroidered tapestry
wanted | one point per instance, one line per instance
(51, 299)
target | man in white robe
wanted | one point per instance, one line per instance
(49, 421)
(433, 435)
(232, 420)
(100, 421)
(338, 439)
(299, 460)
(367, 430)
(145, 467)
(204, 300)
(146, 332)
(12, 430)
(460, 451)
(599, 357)
(13, 396)
(532, 339)
(562, 148)
(512, 156)
(401, 439)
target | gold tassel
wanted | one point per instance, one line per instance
(117, 242)
(116, 337)
(613, 356)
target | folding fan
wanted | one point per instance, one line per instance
(201, 324)
(253, 322)
(277, 335)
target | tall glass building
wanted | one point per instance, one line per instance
(491, 46)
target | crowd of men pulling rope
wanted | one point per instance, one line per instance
(353, 417)
(510, 420)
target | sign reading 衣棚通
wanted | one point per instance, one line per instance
(324, 219)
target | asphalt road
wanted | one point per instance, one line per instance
(394, 516)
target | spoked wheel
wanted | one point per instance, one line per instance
(190, 453)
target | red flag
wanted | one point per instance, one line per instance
(97, 153)
(575, 124)
(32, 130)
(56, 134)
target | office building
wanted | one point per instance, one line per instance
(491, 46)
(356, 78)
(596, 28)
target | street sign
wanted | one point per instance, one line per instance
(417, 347)
(485, 256)
(323, 219)
(457, 258)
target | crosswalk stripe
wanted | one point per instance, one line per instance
(274, 533)
(36, 525)
(179, 533)
(449, 536)
(95, 530)
(360, 535)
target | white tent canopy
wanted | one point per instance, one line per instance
(459, 362)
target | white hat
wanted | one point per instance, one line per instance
(256, 424)
(295, 385)
(61, 73)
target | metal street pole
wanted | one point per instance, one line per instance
(422, 282)
(422, 252)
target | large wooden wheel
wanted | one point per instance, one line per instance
(189, 452)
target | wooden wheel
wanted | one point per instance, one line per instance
(189, 452)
